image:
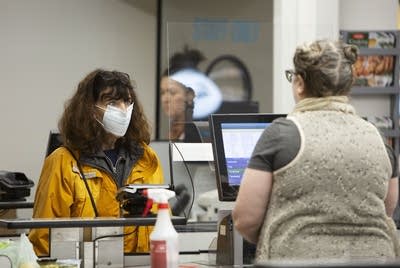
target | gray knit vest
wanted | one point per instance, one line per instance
(328, 203)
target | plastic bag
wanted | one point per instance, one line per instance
(27, 257)
(20, 252)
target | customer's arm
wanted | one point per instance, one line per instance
(251, 203)
(392, 196)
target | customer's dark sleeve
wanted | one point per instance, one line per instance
(393, 160)
(277, 146)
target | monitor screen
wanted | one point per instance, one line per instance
(233, 139)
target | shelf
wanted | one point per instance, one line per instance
(390, 133)
(358, 90)
(378, 51)
(364, 39)
(372, 38)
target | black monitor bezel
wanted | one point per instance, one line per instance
(227, 192)
(54, 141)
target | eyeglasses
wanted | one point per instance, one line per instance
(289, 75)
(118, 81)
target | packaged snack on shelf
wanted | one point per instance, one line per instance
(359, 39)
(373, 39)
(374, 71)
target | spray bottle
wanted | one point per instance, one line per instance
(164, 248)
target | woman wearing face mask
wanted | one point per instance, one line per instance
(105, 136)
(177, 104)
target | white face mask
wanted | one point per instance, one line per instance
(115, 120)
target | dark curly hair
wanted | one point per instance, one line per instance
(79, 128)
(189, 58)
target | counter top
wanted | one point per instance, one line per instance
(82, 222)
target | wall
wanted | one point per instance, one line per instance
(296, 22)
(368, 14)
(47, 47)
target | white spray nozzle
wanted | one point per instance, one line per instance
(159, 196)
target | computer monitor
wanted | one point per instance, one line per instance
(238, 107)
(242, 107)
(54, 141)
(197, 132)
(233, 139)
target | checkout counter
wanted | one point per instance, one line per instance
(97, 243)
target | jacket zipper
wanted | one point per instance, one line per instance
(114, 168)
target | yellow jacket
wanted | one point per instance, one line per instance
(61, 192)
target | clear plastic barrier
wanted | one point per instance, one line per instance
(218, 66)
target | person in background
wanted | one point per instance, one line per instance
(321, 184)
(105, 146)
(177, 104)
(187, 93)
